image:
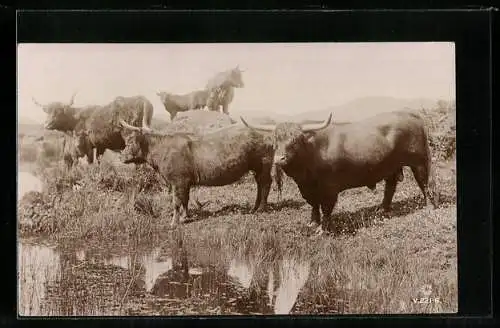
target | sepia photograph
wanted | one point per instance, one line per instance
(205, 179)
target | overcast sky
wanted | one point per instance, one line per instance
(279, 77)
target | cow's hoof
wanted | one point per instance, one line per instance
(312, 224)
(429, 207)
(383, 210)
(319, 231)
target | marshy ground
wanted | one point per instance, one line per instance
(96, 241)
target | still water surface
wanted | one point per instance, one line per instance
(26, 182)
(82, 282)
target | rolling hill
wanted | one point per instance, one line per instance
(365, 107)
(351, 111)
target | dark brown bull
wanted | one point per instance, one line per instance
(100, 124)
(218, 158)
(181, 103)
(325, 159)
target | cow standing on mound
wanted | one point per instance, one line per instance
(180, 103)
(217, 158)
(221, 89)
(98, 124)
(325, 159)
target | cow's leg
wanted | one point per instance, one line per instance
(315, 216)
(184, 204)
(225, 108)
(69, 163)
(176, 206)
(172, 115)
(99, 153)
(421, 174)
(180, 198)
(90, 156)
(264, 182)
(327, 209)
(390, 187)
(401, 175)
(277, 177)
(210, 101)
(259, 196)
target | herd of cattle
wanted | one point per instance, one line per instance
(322, 158)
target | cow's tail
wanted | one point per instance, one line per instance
(431, 182)
(64, 143)
(278, 178)
(147, 113)
(64, 150)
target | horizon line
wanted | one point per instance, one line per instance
(289, 115)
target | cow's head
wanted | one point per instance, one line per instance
(136, 144)
(164, 96)
(291, 141)
(120, 101)
(60, 116)
(234, 78)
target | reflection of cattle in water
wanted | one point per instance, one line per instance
(88, 285)
(203, 287)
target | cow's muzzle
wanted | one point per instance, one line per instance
(130, 159)
(280, 160)
(126, 158)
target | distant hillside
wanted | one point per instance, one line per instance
(27, 120)
(30, 129)
(351, 111)
(364, 107)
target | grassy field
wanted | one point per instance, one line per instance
(376, 263)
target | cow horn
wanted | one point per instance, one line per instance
(147, 129)
(40, 105)
(144, 129)
(72, 100)
(36, 102)
(318, 126)
(260, 127)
